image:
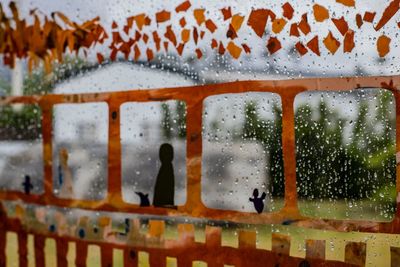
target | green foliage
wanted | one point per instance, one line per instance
(173, 122)
(23, 124)
(20, 125)
(329, 164)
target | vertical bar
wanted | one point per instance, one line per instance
(62, 250)
(247, 244)
(130, 258)
(247, 239)
(315, 249)
(106, 255)
(213, 244)
(156, 259)
(39, 250)
(3, 235)
(114, 154)
(184, 261)
(81, 254)
(193, 155)
(394, 256)
(156, 228)
(186, 233)
(47, 148)
(23, 249)
(3, 241)
(213, 237)
(397, 101)
(355, 253)
(186, 240)
(280, 244)
(289, 149)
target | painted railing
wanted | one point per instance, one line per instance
(186, 249)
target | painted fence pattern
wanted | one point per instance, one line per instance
(186, 249)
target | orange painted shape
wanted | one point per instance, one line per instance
(145, 38)
(170, 35)
(182, 22)
(320, 13)
(288, 10)
(231, 33)
(348, 42)
(150, 54)
(185, 35)
(258, 20)
(226, 12)
(221, 48)
(137, 52)
(301, 48)
(303, 25)
(163, 16)
(183, 7)
(237, 21)
(383, 45)
(211, 25)
(199, 54)
(234, 50)
(195, 35)
(313, 45)
(273, 45)
(294, 30)
(157, 40)
(331, 43)
(214, 43)
(278, 25)
(180, 48)
(389, 12)
(246, 48)
(140, 21)
(349, 3)
(199, 16)
(166, 44)
(369, 16)
(359, 21)
(341, 25)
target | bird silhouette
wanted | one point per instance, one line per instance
(258, 201)
(144, 199)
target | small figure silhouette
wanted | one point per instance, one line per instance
(127, 227)
(144, 199)
(27, 185)
(65, 175)
(164, 190)
(258, 201)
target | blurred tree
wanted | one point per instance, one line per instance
(328, 165)
(26, 123)
(166, 121)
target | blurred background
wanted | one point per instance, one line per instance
(345, 141)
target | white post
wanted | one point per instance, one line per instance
(17, 78)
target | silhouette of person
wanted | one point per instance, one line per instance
(27, 185)
(164, 190)
(258, 201)
(144, 199)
